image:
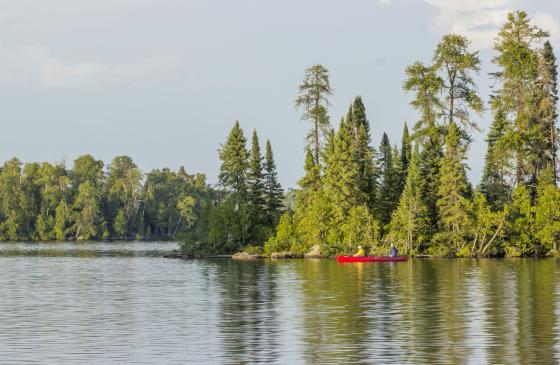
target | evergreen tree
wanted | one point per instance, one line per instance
(426, 85)
(398, 179)
(409, 224)
(548, 114)
(233, 170)
(406, 150)
(313, 99)
(234, 215)
(453, 59)
(388, 192)
(518, 66)
(365, 154)
(342, 175)
(430, 157)
(496, 166)
(311, 180)
(273, 192)
(255, 187)
(452, 202)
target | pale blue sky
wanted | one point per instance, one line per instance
(163, 80)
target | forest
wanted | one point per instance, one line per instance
(417, 195)
(414, 193)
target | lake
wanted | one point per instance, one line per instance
(106, 303)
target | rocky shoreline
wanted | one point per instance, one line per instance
(314, 253)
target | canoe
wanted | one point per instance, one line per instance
(371, 259)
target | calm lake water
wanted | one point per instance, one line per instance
(104, 303)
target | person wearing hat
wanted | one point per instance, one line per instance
(361, 252)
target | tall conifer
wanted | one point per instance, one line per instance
(452, 202)
(273, 192)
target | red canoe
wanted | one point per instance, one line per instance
(370, 258)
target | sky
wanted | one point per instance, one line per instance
(163, 81)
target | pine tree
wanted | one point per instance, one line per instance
(409, 225)
(430, 157)
(365, 154)
(342, 175)
(388, 192)
(255, 185)
(233, 170)
(406, 150)
(398, 179)
(452, 202)
(311, 181)
(518, 66)
(273, 192)
(313, 99)
(496, 166)
(426, 85)
(453, 59)
(548, 114)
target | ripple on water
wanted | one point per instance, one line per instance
(69, 307)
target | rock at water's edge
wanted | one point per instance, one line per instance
(284, 255)
(245, 256)
(314, 252)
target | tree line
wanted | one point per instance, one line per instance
(417, 196)
(44, 201)
(414, 194)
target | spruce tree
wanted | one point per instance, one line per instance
(273, 192)
(516, 78)
(311, 181)
(255, 188)
(388, 192)
(313, 99)
(548, 114)
(496, 166)
(409, 224)
(452, 202)
(233, 170)
(342, 176)
(406, 150)
(364, 152)
(430, 157)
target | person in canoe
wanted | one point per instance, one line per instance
(361, 252)
(394, 252)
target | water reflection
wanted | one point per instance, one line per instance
(134, 307)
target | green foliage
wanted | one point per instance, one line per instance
(39, 201)
(452, 202)
(409, 222)
(273, 193)
(453, 59)
(284, 238)
(313, 99)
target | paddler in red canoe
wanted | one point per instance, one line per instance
(394, 252)
(361, 252)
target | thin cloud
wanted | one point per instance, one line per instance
(36, 65)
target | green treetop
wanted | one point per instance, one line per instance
(452, 201)
(408, 225)
(313, 99)
(364, 152)
(233, 170)
(255, 182)
(273, 192)
(454, 61)
(518, 71)
(548, 114)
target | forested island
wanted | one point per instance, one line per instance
(414, 194)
